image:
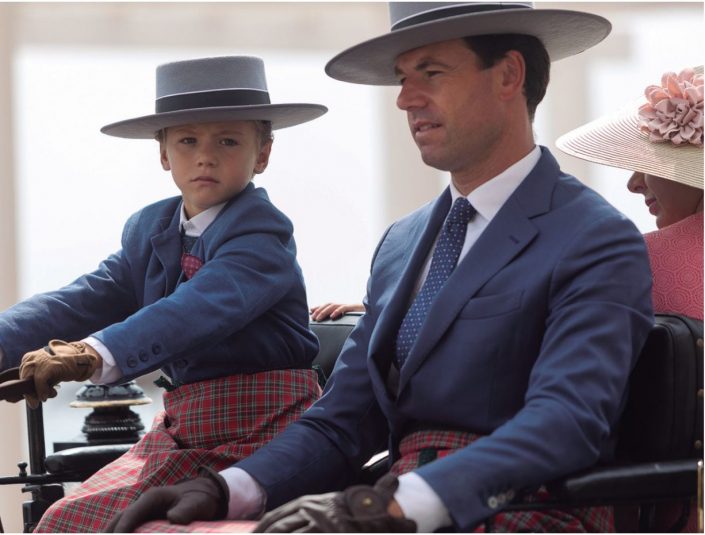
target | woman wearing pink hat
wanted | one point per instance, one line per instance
(662, 142)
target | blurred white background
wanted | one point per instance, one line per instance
(68, 69)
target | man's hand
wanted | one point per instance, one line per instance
(357, 509)
(57, 362)
(202, 498)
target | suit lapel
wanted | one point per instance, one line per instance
(167, 249)
(507, 235)
(421, 239)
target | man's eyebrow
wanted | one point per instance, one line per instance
(424, 63)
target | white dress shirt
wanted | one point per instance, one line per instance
(109, 372)
(417, 499)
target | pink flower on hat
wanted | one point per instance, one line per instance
(674, 111)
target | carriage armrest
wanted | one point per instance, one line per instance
(84, 461)
(621, 484)
(644, 482)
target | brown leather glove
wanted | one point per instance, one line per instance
(57, 362)
(358, 509)
(202, 498)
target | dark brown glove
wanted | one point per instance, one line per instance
(57, 362)
(358, 509)
(12, 388)
(202, 498)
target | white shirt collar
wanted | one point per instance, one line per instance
(491, 196)
(198, 223)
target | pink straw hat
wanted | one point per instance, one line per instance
(662, 136)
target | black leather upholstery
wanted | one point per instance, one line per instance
(332, 335)
(80, 463)
(663, 419)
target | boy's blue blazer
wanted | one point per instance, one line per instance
(530, 344)
(244, 311)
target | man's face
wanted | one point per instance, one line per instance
(212, 162)
(451, 104)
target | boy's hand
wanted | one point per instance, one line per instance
(334, 311)
(57, 362)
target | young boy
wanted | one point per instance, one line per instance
(206, 287)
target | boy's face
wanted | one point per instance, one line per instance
(212, 162)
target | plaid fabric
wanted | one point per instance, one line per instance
(424, 446)
(190, 264)
(421, 447)
(211, 423)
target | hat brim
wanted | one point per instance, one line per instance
(281, 116)
(563, 33)
(617, 141)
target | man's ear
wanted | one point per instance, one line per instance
(263, 157)
(512, 74)
(163, 157)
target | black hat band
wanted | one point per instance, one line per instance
(212, 99)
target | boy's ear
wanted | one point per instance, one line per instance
(263, 158)
(163, 157)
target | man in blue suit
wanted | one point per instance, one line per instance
(502, 319)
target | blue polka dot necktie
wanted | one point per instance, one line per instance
(445, 257)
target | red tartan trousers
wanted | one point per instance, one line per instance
(414, 450)
(211, 423)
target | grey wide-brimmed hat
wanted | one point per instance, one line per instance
(415, 24)
(228, 88)
(624, 139)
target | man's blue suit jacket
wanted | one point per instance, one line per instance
(244, 311)
(529, 343)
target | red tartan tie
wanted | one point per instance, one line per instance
(190, 264)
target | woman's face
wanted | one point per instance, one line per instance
(669, 201)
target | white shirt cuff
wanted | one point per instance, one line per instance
(247, 497)
(420, 503)
(108, 372)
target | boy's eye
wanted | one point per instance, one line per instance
(431, 74)
(228, 142)
(187, 140)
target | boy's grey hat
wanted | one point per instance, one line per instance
(229, 88)
(415, 24)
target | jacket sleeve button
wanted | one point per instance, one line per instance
(132, 362)
(156, 349)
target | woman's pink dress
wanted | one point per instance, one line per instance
(676, 256)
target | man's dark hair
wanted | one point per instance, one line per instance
(491, 48)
